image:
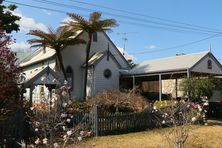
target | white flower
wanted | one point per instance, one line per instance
(81, 133)
(154, 107)
(37, 141)
(65, 82)
(64, 128)
(69, 133)
(68, 120)
(69, 102)
(64, 104)
(71, 117)
(163, 122)
(36, 129)
(65, 137)
(64, 93)
(56, 145)
(43, 78)
(63, 115)
(31, 108)
(45, 140)
(206, 104)
(53, 105)
(79, 138)
(199, 107)
(193, 119)
(54, 80)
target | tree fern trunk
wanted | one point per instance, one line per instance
(60, 60)
(87, 64)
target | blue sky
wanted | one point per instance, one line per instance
(147, 37)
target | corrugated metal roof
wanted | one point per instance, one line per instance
(95, 58)
(179, 62)
(38, 56)
(21, 55)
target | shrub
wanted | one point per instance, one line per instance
(9, 73)
(116, 101)
(163, 104)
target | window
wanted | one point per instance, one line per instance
(107, 73)
(69, 74)
(94, 37)
(209, 64)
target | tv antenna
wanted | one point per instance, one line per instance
(125, 39)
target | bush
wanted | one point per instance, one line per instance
(116, 101)
(163, 104)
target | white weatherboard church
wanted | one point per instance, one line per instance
(108, 68)
(105, 64)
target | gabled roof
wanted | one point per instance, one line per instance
(179, 62)
(38, 56)
(36, 78)
(21, 55)
(98, 56)
(95, 58)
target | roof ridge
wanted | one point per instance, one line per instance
(170, 57)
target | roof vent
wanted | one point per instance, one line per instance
(180, 54)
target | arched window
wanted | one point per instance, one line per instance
(209, 64)
(69, 74)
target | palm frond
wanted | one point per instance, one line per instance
(95, 16)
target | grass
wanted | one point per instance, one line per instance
(200, 137)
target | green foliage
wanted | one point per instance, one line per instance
(78, 106)
(163, 104)
(197, 87)
(55, 39)
(7, 19)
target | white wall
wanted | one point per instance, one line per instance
(202, 66)
(102, 83)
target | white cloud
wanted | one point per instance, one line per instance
(47, 12)
(151, 46)
(20, 46)
(27, 23)
(126, 55)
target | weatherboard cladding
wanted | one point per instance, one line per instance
(170, 64)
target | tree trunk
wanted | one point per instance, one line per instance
(87, 64)
(60, 60)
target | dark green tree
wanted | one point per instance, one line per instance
(7, 19)
(197, 87)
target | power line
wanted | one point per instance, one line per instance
(177, 46)
(126, 17)
(143, 15)
(38, 7)
(126, 22)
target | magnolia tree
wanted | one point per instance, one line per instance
(9, 73)
(180, 116)
(53, 124)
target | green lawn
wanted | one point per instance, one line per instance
(200, 137)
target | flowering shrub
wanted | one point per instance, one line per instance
(180, 116)
(54, 126)
(116, 101)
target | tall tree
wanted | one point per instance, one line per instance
(9, 73)
(8, 19)
(55, 39)
(92, 25)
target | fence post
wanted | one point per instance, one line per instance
(95, 120)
